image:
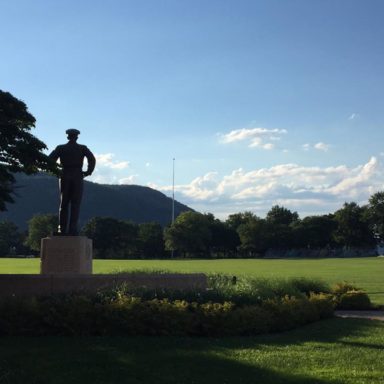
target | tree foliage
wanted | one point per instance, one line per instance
(150, 241)
(112, 238)
(281, 216)
(40, 226)
(314, 231)
(352, 226)
(20, 151)
(10, 238)
(375, 214)
(189, 234)
(195, 234)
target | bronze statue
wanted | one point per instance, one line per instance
(71, 156)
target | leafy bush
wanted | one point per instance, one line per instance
(230, 306)
(289, 312)
(348, 296)
(309, 286)
(324, 303)
(122, 314)
(354, 300)
(240, 290)
(344, 287)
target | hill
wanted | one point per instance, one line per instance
(40, 194)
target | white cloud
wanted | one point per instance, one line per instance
(320, 146)
(128, 180)
(309, 190)
(106, 160)
(255, 137)
(108, 170)
(268, 146)
(353, 116)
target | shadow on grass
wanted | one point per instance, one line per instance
(326, 331)
(133, 360)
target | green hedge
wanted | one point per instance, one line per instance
(128, 315)
(240, 306)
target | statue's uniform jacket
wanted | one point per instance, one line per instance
(71, 156)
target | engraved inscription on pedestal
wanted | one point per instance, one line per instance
(66, 255)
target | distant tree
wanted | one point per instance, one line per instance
(150, 241)
(40, 226)
(236, 219)
(255, 237)
(10, 238)
(314, 231)
(280, 222)
(353, 228)
(20, 151)
(112, 238)
(375, 214)
(190, 234)
(281, 215)
(224, 239)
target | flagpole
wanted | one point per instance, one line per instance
(173, 191)
(173, 197)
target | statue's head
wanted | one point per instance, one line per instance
(72, 134)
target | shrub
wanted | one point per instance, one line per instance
(324, 303)
(354, 300)
(19, 316)
(289, 312)
(348, 296)
(344, 287)
(240, 306)
(129, 315)
(309, 286)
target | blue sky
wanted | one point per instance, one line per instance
(260, 102)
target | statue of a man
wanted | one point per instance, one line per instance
(71, 156)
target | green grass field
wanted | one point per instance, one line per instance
(366, 273)
(334, 351)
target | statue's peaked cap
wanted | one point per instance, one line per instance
(72, 131)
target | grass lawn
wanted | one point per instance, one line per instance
(333, 351)
(366, 273)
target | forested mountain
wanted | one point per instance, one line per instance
(40, 194)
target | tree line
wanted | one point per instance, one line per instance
(192, 234)
(199, 235)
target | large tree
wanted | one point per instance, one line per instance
(376, 214)
(40, 226)
(314, 231)
(190, 234)
(10, 238)
(20, 151)
(112, 238)
(281, 215)
(150, 242)
(352, 226)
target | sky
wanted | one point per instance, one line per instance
(259, 102)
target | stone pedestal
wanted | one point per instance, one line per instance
(66, 255)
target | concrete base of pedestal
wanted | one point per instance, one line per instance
(66, 255)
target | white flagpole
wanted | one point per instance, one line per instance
(173, 191)
(173, 197)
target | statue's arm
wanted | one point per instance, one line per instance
(55, 167)
(55, 154)
(91, 162)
